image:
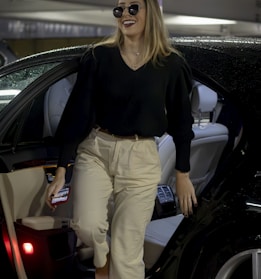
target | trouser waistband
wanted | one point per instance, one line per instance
(131, 137)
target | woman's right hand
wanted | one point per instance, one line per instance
(55, 186)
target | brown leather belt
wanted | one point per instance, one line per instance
(132, 137)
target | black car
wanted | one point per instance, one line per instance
(222, 239)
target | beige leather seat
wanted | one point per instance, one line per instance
(206, 149)
(54, 103)
(210, 137)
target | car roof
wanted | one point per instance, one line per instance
(233, 63)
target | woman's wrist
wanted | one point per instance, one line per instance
(180, 174)
(60, 171)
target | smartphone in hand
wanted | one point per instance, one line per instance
(61, 197)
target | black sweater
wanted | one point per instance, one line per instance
(148, 102)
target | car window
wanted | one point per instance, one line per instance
(28, 125)
(12, 84)
(41, 116)
(6, 96)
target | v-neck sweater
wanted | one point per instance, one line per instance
(148, 102)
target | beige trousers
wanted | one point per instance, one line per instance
(130, 170)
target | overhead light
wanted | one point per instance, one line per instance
(193, 20)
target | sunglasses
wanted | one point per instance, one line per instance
(132, 9)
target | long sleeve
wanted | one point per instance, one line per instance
(179, 115)
(78, 116)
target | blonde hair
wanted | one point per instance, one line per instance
(156, 36)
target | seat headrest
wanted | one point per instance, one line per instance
(203, 99)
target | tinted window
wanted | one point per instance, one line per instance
(41, 117)
(12, 84)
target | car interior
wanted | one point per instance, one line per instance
(26, 211)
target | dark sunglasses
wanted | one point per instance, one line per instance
(132, 9)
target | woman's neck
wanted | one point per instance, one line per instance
(133, 47)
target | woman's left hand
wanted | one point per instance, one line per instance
(186, 193)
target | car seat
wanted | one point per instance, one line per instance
(210, 137)
(206, 146)
(54, 103)
(206, 149)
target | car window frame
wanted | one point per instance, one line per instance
(27, 96)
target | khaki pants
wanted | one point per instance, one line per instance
(130, 170)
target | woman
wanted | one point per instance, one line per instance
(130, 88)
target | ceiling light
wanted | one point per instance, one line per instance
(193, 20)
